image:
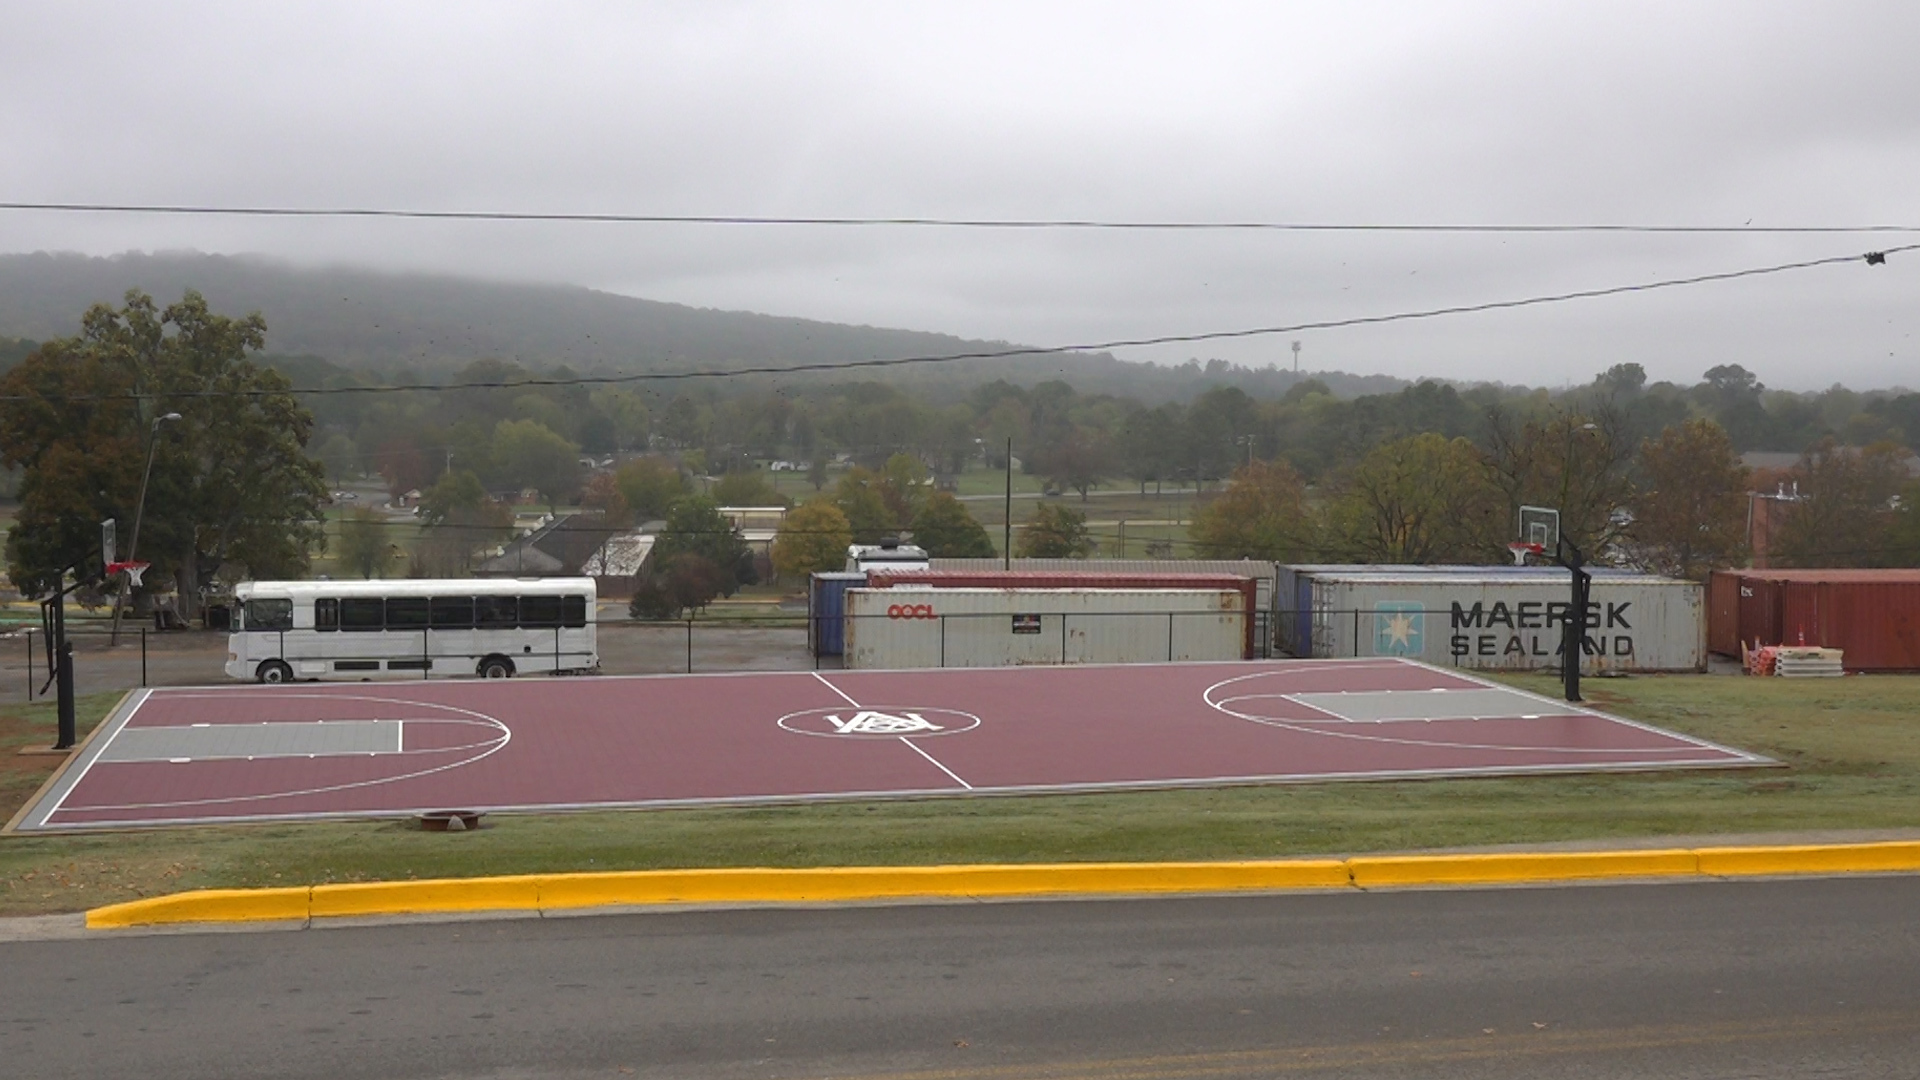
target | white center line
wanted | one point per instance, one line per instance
(835, 689)
(911, 745)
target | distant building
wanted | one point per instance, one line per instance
(559, 548)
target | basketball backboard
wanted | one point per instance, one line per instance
(1539, 525)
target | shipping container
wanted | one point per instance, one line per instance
(919, 627)
(1295, 617)
(1262, 572)
(1266, 598)
(1872, 616)
(1060, 579)
(1507, 621)
(827, 608)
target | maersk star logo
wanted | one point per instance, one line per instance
(1398, 628)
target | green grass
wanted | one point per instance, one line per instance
(1851, 748)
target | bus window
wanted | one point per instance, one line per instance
(496, 612)
(407, 613)
(326, 614)
(539, 611)
(269, 615)
(452, 613)
(362, 613)
(573, 611)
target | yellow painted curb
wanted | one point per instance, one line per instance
(1378, 871)
(766, 885)
(417, 897)
(1811, 859)
(205, 905)
(560, 892)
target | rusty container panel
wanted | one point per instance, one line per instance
(1723, 613)
(1872, 616)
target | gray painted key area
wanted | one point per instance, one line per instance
(212, 741)
(1377, 705)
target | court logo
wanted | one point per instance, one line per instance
(885, 723)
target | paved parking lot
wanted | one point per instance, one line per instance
(194, 657)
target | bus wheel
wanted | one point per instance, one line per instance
(496, 667)
(274, 672)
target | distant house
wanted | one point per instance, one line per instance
(757, 525)
(618, 561)
(559, 548)
(407, 499)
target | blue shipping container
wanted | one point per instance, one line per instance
(827, 610)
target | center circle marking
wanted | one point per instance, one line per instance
(879, 722)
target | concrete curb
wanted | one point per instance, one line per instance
(760, 885)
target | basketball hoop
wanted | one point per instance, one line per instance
(1522, 548)
(133, 570)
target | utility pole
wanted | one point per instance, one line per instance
(1007, 550)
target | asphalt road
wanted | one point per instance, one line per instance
(1753, 979)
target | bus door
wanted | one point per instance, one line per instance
(262, 635)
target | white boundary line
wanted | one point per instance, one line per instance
(936, 763)
(1207, 696)
(835, 689)
(95, 747)
(506, 736)
(910, 744)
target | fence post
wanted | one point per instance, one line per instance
(1063, 638)
(689, 646)
(1356, 631)
(29, 663)
(943, 641)
(143, 654)
(1169, 637)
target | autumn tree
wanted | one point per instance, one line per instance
(811, 538)
(747, 489)
(650, 486)
(1079, 461)
(1054, 532)
(460, 522)
(535, 456)
(231, 482)
(858, 495)
(365, 547)
(1261, 515)
(1421, 499)
(1848, 507)
(695, 525)
(1576, 463)
(1690, 514)
(947, 530)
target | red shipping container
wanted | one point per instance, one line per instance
(1052, 579)
(1872, 616)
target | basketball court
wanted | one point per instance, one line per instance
(252, 753)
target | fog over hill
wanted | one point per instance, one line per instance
(430, 325)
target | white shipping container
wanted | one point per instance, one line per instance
(918, 627)
(1261, 571)
(1505, 621)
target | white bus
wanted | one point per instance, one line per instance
(411, 629)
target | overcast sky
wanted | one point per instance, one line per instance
(1675, 113)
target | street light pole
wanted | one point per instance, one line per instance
(139, 511)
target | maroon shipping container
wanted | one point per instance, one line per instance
(1056, 579)
(1873, 616)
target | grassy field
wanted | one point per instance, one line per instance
(1850, 747)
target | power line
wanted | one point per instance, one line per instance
(1871, 258)
(1089, 224)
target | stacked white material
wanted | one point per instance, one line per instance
(1798, 662)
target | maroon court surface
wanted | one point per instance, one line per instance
(250, 753)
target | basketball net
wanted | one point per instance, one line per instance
(1521, 549)
(133, 570)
